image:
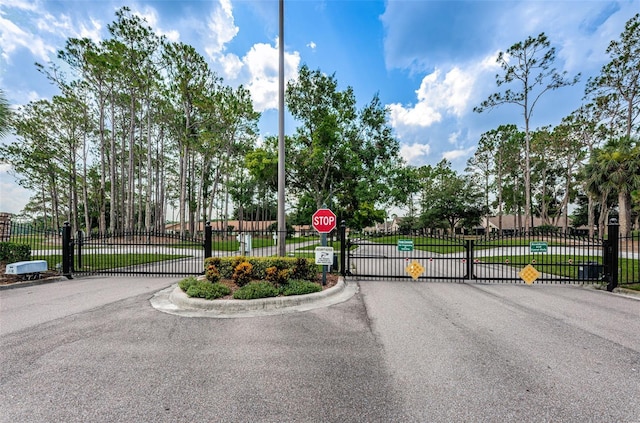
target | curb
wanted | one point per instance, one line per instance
(174, 301)
(36, 282)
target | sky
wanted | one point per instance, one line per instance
(431, 62)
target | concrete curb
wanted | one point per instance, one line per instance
(28, 283)
(174, 301)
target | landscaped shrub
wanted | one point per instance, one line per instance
(207, 290)
(212, 274)
(10, 252)
(212, 261)
(300, 287)
(304, 269)
(271, 274)
(260, 266)
(263, 268)
(283, 276)
(255, 290)
(242, 274)
(187, 282)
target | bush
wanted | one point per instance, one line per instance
(187, 282)
(212, 274)
(212, 261)
(207, 290)
(242, 273)
(304, 269)
(10, 252)
(255, 290)
(300, 287)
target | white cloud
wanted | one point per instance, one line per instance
(455, 154)
(453, 138)
(12, 38)
(92, 32)
(222, 28)
(412, 153)
(261, 63)
(439, 95)
(312, 45)
(12, 196)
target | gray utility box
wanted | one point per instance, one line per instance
(589, 270)
(26, 267)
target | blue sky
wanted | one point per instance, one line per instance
(430, 62)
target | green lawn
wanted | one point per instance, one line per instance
(97, 262)
(566, 265)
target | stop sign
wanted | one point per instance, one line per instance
(323, 221)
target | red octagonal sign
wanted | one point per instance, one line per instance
(323, 221)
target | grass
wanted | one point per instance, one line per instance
(448, 245)
(96, 262)
(232, 244)
(567, 265)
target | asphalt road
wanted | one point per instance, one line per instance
(94, 350)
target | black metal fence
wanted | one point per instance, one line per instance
(558, 258)
(535, 257)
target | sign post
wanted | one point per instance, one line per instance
(324, 221)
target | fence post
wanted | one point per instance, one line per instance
(612, 254)
(469, 259)
(343, 247)
(67, 249)
(207, 240)
(79, 241)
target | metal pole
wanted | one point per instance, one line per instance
(323, 242)
(343, 247)
(67, 249)
(282, 225)
(207, 240)
(612, 259)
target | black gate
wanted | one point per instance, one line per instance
(535, 257)
(132, 253)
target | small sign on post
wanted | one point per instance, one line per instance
(324, 256)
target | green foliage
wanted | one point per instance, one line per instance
(304, 269)
(212, 273)
(255, 290)
(187, 282)
(271, 274)
(300, 287)
(243, 273)
(207, 290)
(11, 252)
(267, 268)
(260, 268)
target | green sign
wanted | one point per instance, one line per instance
(405, 245)
(538, 247)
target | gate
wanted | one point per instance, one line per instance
(133, 253)
(556, 257)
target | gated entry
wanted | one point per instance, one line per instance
(133, 253)
(559, 258)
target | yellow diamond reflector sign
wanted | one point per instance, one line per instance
(529, 274)
(414, 269)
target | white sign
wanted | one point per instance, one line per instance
(324, 256)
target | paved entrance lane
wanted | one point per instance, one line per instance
(127, 362)
(29, 306)
(395, 352)
(497, 353)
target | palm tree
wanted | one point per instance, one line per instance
(615, 169)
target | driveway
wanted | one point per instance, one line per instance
(96, 350)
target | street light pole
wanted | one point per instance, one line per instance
(282, 226)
